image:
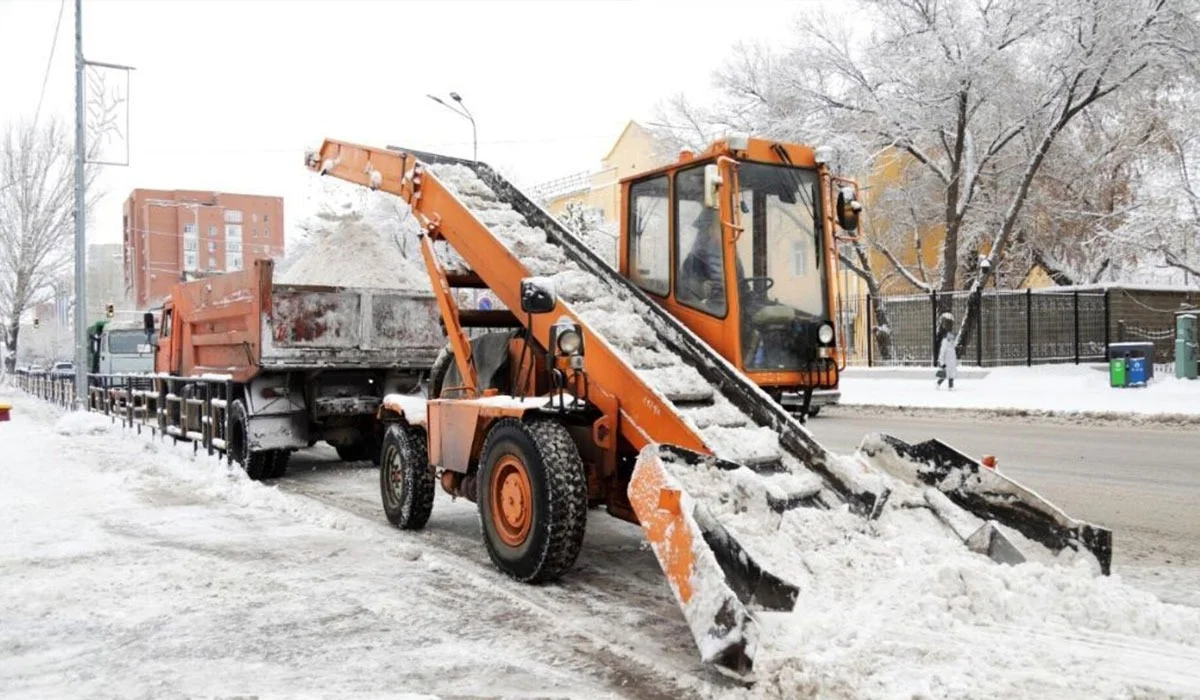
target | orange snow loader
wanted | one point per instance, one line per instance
(649, 390)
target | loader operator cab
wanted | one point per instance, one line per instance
(736, 244)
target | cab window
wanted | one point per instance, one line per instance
(649, 243)
(700, 271)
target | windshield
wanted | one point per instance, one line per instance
(781, 256)
(125, 342)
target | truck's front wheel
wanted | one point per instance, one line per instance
(258, 465)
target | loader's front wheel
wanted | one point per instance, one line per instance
(532, 498)
(405, 481)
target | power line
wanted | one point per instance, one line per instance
(49, 59)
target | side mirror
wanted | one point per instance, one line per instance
(712, 185)
(537, 295)
(148, 323)
(848, 208)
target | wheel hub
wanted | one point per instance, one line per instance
(395, 474)
(511, 501)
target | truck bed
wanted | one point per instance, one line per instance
(312, 327)
(241, 324)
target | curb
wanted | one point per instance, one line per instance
(1116, 419)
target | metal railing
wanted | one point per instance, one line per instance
(192, 409)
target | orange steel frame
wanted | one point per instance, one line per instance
(724, 334)
(628, 406)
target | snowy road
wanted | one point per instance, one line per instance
(132, 569)
(1141, 482)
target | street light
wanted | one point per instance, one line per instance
(466, 114)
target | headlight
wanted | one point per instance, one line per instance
(825, 333)
(569, 341)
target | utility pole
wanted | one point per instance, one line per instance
(81, 339)
(80, 316)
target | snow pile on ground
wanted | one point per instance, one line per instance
(131, 568)
(898, 607)
(1061, 388)
(356, 254)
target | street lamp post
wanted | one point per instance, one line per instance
(466, 114)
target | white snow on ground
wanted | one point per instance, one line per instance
(1066, 388)
(131, 569)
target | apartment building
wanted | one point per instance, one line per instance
(176, 235)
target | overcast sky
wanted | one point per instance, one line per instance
(228, 94)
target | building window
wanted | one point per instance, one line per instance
(254, 218)
(233, 262)
(266, 218)
(191, 261)
(266, 232)
(799, 258)
(189, 229)
(233, 246)
(649, 255)
(191, 245)
(212, 230)
(234, 232)
(233, 216)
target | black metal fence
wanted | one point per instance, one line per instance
(183, 408)
(1018, 327)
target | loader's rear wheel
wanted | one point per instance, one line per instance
(532, 499)
(405, 480)
(258, 465)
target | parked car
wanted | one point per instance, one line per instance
(63, 370)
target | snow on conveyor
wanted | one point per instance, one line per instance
(895, 607)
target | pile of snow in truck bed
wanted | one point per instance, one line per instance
(357, 254)
(896, 606)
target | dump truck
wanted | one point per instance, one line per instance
(306, 363)
(602, 387)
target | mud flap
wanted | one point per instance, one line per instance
(713, 578)
(990, 496)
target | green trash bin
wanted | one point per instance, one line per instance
(1116, 372)
(1186, 346)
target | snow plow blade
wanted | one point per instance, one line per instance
(714, 579)
(992, 497)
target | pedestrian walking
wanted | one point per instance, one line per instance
(947, 354)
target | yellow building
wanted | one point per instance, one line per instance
(634, 151)
(637, 150)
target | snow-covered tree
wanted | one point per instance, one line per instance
(37, 200)
(967, 100)
(589, 225)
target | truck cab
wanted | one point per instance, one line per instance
(119, 349)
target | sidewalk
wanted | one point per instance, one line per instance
(1065, 388)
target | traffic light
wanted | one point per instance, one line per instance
(36, 321)
(109, 310)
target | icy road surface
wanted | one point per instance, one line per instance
(132, 570)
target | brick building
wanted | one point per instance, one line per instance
(175, 235)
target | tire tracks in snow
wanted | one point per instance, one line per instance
(606, 609)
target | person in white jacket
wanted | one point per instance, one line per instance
(947, 360)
